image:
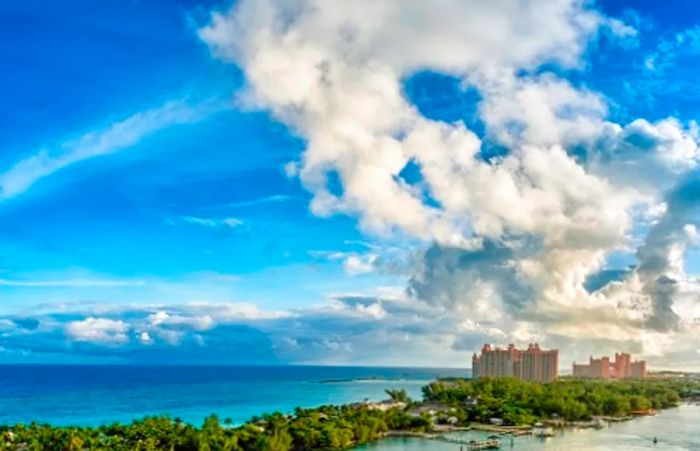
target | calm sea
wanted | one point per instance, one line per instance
(91, 395)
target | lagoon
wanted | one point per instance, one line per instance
(677, 429)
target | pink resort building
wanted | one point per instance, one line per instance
(621, 368)
(532, 364)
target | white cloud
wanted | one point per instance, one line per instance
(334, 73)
(203, 316)
(343, 71)
(359, 264)
(162, 318)
(517, 236)
(145, 338)
(621, 29)
(113, 138)
(98, 330)
(360, 328)
(274, 199)
(225, 312)
(170, 336)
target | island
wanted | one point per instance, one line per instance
(502, 405)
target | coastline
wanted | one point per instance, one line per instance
(459, 412)
(675, 428)
(526, 430)
(519, 430)
(523, 432)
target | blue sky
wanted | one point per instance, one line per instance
(138, 177)
(124, 215)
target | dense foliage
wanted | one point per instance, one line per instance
(522, 402)
(327, 427)
(341, 427)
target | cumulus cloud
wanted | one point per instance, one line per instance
(162, 318)
(511, 239)
(334, 74)
(145, 338)
(660, 274)
(98, 330)
(482, 282)
(231, 311)
(359, 264)
(384, 327)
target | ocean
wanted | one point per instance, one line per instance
(93, 395)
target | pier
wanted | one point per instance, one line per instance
(472, 445)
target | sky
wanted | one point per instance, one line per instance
(356, 183)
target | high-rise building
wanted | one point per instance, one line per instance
(622, 368)
(540, 365)
(602, 368)
(533, 364)
(596, 368)
(639, 369)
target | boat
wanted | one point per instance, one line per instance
(540, 430)
(476, 445)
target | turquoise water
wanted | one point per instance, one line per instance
(676, 429)
(92, 395)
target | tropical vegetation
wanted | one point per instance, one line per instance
(521, 402)
(322, 428)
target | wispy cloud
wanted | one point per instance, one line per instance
(71, 283)
(113, 138)
(277, 198)
(669, 49)
(214, 223)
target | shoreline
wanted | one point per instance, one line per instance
(460, 412)
(521, 430)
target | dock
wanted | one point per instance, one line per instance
(471, 445)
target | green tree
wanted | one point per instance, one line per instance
(398, 395)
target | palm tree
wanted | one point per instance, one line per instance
(398, 395)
